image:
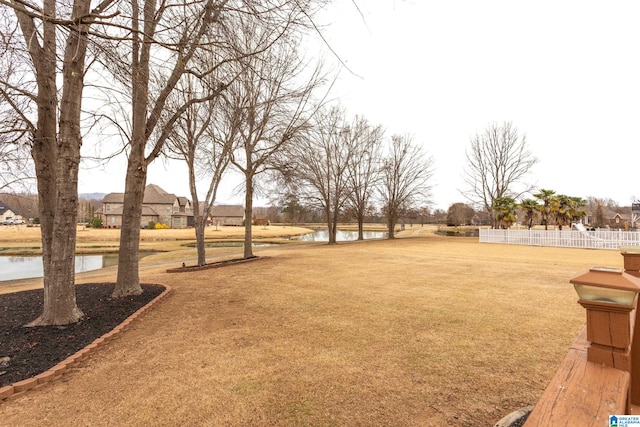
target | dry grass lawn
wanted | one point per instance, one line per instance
(423, 330)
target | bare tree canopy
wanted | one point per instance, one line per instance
(16, 107)
(16, 168)
(405, 179)
(199, 139)
(497, 162)
(363, 169)
(318, 165)
(269, 104)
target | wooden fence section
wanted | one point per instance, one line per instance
(599, 239)
(581, 393)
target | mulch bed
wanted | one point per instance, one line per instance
(32, 351)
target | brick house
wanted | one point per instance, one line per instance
(227, 215)
(158, 206)
(620, 221)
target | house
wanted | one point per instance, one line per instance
(183, 217)
(620, 221)
(6, 213)
(227, 215)
(158, 206)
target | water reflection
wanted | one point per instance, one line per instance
(23, 267)
(229, 244)
(322, 235)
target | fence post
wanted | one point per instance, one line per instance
(632, 266)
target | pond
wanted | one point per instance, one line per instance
(229, 244)
(23, 267)
(322, 235)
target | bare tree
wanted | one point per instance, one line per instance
(205, 146)
(598, 208)
(363, 169)
(270, 103)
(497, 162)
(318, 166)
(405, 179)
(460, 214)
(50, 42)
(163, 44)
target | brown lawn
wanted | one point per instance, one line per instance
(422, 330)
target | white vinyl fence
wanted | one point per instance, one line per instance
(599, 239)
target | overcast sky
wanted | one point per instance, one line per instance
(566, 74)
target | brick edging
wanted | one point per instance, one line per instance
(216, 264)
(52, 374)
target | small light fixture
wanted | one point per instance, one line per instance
(609, 296)
(606, 285)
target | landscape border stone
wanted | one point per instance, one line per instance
(515, 418)
(217, 264)
(56, 372)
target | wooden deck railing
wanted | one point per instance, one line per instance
(582, 393)
(600, 376)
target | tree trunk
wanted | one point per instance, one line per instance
(58, 214)
(334, 226)
(331, 226)
(128, 280)
(248, 216)
(44, 152)
(199, 218)
(391, 225)
(199, 224)
(360, 225)
(59, 297)
(202, 254)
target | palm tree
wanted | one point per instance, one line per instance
(530, 207)
(547, 198)
(569, 209)
(562, 209)
(578, 209)
(504, 209)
